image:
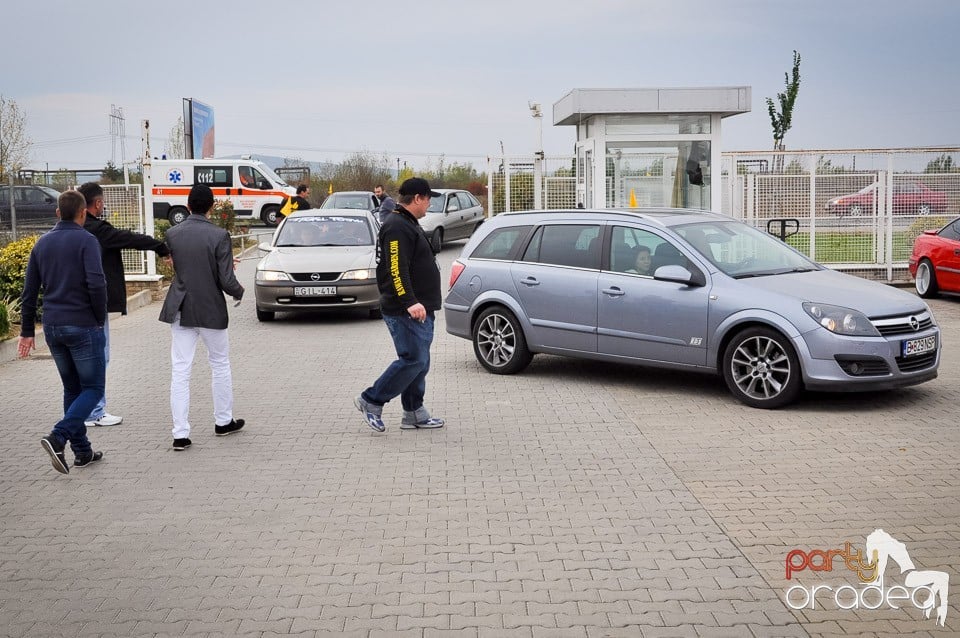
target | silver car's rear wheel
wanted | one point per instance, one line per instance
(498, 342)
(926, 282)
(761, 369)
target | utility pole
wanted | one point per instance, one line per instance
(117, 129)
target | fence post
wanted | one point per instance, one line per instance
(490, 194)
(813, 208)
(506, 186)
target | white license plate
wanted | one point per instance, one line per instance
(314, 291)
(913, 347)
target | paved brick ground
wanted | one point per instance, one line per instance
(575, 499)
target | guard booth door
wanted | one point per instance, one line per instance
(585, 159)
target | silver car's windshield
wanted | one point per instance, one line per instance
(742, 251)
(324, 230)
(436, 204)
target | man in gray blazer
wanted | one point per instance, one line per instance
(203, 261)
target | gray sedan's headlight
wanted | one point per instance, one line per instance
(843, 321)
(359, 274)
(272, 275)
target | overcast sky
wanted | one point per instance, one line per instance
(415, 79)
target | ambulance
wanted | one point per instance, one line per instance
(254, 189)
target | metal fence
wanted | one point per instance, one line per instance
(855, 210)
(123, 206)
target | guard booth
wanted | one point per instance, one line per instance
(649, 146)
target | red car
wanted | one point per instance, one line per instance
(909, 198)
(935, 262)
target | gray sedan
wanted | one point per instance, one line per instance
(319, 259)
(683, 289)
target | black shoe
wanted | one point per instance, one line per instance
(180, 445)
(55, 449)
(93, 458)
(229, 428)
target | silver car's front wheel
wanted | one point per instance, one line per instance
(498, 342)
(761, 369)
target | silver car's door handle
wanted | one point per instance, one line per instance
(530, 281)
(613, 292)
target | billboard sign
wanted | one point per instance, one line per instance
(198, 130)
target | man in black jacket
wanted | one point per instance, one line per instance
(112, 241)
(409, 281)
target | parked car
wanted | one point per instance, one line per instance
(909, 198)
(688, 290)
(454, 214)
(319, 259)
(935, 260)
(36, 206)
(354, 200)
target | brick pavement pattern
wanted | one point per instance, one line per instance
(573, 499)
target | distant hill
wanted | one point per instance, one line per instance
(316, 168)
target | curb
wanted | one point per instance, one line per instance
(8, 348)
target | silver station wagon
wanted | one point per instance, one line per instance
(683, 289)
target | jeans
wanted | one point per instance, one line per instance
(101, 407)
(407, 376)
(78, 353)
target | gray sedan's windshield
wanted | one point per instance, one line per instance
(742, 251)
(323, 230)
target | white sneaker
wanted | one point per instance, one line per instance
(106, 419)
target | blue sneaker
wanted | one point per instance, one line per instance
(419, 420)
(373, 419)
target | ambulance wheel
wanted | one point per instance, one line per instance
(270, 215)
(177, 214)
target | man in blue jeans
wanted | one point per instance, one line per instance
(409, 281)
(65, 264)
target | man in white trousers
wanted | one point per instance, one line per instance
(196, 308)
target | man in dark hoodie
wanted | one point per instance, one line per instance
(112, 242)
(65, 265)
(409, 281)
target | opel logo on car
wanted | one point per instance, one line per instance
(914, 323)
(316, 277)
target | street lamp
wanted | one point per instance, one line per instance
(537, 114)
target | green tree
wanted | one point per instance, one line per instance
(782, 120)
(175, 147)
(111, 174)
(943, 164)
(14, 140)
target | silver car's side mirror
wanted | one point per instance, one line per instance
(264, 246)
(679, 275)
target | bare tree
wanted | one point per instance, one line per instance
(14, 141)
(782, 121)
(174, 148)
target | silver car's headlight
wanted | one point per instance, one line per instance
(272, 275)
(359, 274)
(843, 321)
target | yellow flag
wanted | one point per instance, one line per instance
(330, 189)
(633, 199)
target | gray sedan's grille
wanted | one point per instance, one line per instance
(903, 325)
(315, 276)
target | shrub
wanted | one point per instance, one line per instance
(13, 266)
(224, 216)
(160, 228)
(927, 223)
(4, 322)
